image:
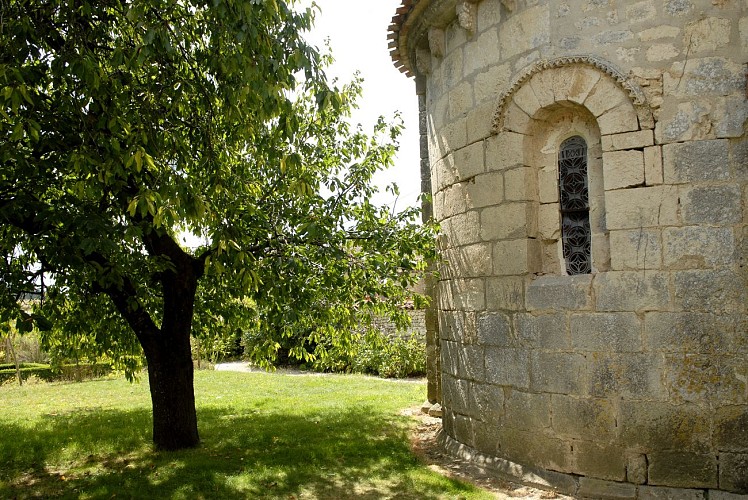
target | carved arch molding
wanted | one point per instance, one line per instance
(616, 101)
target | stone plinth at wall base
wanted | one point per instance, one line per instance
(435, 410)
(570, 484)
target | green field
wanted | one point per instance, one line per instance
(263, 436)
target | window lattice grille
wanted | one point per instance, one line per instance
(575, 205)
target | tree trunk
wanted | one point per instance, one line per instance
(167, 349)
(170, 374)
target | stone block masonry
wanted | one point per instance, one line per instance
(631, 380)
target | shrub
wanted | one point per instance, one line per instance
(377, 354)
(396, 357)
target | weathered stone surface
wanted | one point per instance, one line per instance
(504, 151)
(663, 426)
(492, 82)
(527, 411)
(716, 379)
(463, 361)
(662, 493)
(731, 428)
(632, 291)
(484, 190)
(515, 120)
(636, 469)
(682, 469)
(525, 31)
(599, 461)
(662, 52)
(557, 372)
(693, 247)
(542, 86)
(507, 367)
(469, 161)
(628, 140)
(653, 165)
(520, 184)
(729, 115)
(546, 331)
(606, 332)
(559, 293)
(688, 332)
(460, 100)
(506, 221)
(457, 326)
(442, 175)
(623, 169)
(583, 418)
(469, 294)
(707, 35)
(532, 447)
(692, 120)
(516, 257)
(724, 495)
(604, 96)
(549, 225)
(709, 291)
(733, 472)
(451, 201)
(488, 401)
(627, 375)
(526, 100)
(548, 184)
(474, 260)
(714, 76)
(481, 52)
(505, 293)
(456, 396)
(462, 229)
(711, 205)
(642, 207)
(633, 249)
(489, 15)
(597, 488)
(695, 161)
(463, 428)
(486, 437)
(495, 329)
(479, 122)
(620, 119)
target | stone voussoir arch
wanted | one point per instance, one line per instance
(618, 103)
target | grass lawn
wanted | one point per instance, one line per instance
(263, 436)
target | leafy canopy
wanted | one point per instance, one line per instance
(127, 124)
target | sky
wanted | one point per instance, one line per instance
(358, 38)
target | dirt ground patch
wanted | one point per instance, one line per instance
(424, 444)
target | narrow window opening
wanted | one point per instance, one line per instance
(573, 186)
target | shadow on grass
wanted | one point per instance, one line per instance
(107, 453)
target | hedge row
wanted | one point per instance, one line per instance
(46, 372)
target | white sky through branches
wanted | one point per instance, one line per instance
(357, 32)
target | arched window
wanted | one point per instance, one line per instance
(573, 187)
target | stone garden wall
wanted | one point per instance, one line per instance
(634, 378)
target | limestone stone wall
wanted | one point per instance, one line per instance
(635, 376)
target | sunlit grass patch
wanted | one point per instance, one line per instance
(263, 436)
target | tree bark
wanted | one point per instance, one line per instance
(170, 374)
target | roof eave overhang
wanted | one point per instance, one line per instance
(409, 28)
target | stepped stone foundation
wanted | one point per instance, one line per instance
(628, 379)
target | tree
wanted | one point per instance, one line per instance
(127, 124)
